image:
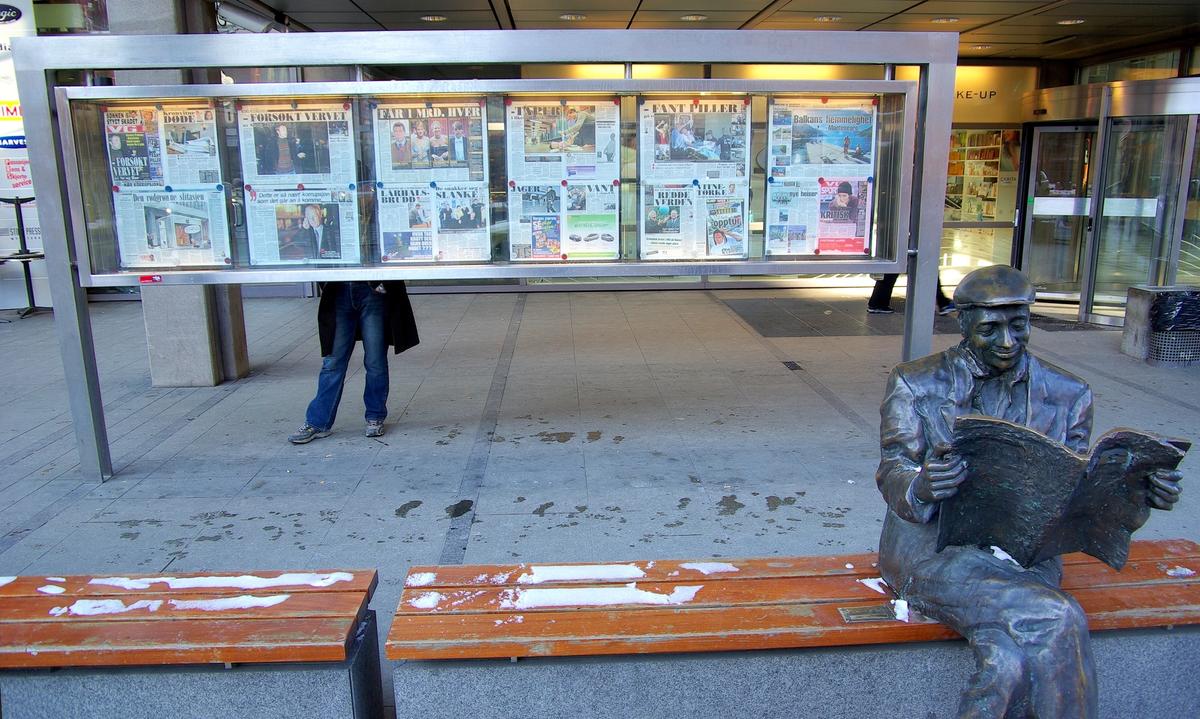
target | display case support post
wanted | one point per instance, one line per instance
(72, 323)
(929, 182)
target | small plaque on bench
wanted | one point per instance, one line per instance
(877, 613)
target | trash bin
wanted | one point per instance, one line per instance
(1162, 325)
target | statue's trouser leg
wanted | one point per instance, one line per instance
(999, 677)
(985, 599)
(1058, 655)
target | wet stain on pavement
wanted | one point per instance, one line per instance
(541, 510)
(403, 510)
(560, 437)
(459, 508)
(729, 505)
(774, 502)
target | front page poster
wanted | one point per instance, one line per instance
(157, 229)
(290, 226)
(822, 160)
(694, 166)
(432, 180)
(564, 179)
(447, 223)
(285, 146)
(168, 196)
(694, 221)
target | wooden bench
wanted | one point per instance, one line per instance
(268, 644)
(856, 659)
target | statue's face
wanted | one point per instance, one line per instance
(997, 335)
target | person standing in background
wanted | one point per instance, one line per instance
(379, 314)
(880, 302)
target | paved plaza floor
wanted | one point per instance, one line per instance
(586, 426)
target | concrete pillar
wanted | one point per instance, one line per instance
(196, 336)
(182, 336)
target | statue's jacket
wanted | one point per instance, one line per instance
(922, 399)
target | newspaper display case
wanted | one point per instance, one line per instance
(232, 184)
(169, 210)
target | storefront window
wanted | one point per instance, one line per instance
(981, 200)
(1146, 67)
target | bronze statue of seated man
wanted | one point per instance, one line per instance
(1030, 639)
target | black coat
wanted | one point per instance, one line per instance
(400, 327)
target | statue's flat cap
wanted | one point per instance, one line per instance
(994, 286)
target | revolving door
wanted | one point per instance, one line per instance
(1111, 199)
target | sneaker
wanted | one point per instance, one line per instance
(947, 309)
(307, 433)
(881, 310)
(374, 428)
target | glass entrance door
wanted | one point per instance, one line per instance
(1143, 166)
(1057, 225)
(1189, 254)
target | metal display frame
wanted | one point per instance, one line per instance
(56, 173)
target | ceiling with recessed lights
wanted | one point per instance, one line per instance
(1060, 30)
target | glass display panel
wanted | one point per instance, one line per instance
(431, 180)
(822, 173)
(248, 183)
(168, 193)
(563, 178)
(694, 169)
(299, 164)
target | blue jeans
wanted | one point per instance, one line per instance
(359, 308)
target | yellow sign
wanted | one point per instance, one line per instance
(986, 94)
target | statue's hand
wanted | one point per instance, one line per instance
(940, 476)
(1164, 488)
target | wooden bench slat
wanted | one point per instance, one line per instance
(683, 629)
(362, 580)
(716, 591)
(79, 644)
(480, 576)
(198, 607)
(649, 631)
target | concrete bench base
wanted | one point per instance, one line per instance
(1139, 675)
(349, 689)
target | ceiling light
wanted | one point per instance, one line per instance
(434, 18)
(1072, 21)
(981, 47)
(693, 18)
(572, 16)
(827, 18)
(944, 20)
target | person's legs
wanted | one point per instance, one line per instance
(372, 315)
(881, 296)
(944, 304)
(322, 411)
